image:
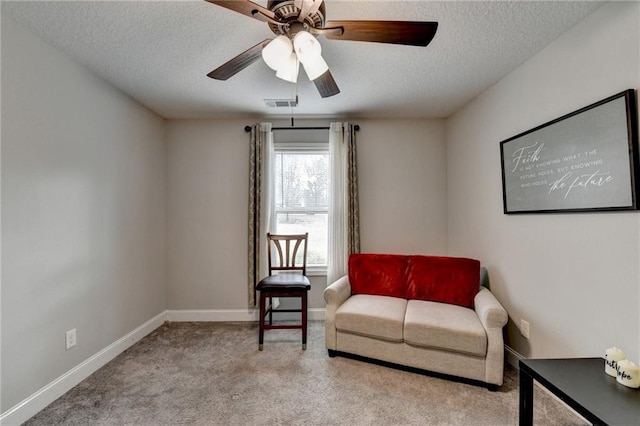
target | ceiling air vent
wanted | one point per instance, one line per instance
(280, 103)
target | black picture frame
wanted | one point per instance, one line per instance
(585, 161)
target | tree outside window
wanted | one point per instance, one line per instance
(301, 198)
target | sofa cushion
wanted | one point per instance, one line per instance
(453, 280)
(444, 326)
(381, 274)
(381, 317)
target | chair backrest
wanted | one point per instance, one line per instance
(287, 247)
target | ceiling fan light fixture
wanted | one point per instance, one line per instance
(288, 71)
(277, 52)
(315, 67)
(306, 46)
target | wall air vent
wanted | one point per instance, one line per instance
(280, 103)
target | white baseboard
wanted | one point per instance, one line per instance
(233, 315)
(512, 357)
(211, 315)
(27, 408)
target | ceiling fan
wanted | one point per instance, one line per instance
(296, 23)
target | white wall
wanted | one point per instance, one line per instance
(83, 214)
(574, 277)
(401, 169)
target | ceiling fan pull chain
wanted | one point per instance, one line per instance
(291, 105)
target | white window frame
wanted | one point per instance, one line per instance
(306, 147)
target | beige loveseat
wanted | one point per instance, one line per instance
(410, 311)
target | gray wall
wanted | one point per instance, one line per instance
(401, 169)
(402, 179)
(83, 214)
(574, 277)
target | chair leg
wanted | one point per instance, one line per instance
(271, 311)
(261, 322)
(304, 321)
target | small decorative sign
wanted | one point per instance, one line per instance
(611, 358)
(584, 161)
(628, 374)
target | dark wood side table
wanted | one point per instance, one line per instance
(583, 385)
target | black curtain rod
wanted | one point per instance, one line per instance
(248, 128)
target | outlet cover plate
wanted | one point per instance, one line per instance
(524, 328)
(70, 338)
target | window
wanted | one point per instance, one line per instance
(301, 196)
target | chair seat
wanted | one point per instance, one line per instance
(284, 283)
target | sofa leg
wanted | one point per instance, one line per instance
(493, 388)
(332, 353)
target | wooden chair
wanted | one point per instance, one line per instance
(286, 283)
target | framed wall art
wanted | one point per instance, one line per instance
(584, 161)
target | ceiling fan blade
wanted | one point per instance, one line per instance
(240, 62)
(245, 7)
(326, 85)
(411, 33)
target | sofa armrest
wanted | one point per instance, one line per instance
(489, 310)
(338, 292)
(335, 295)
(493, 318)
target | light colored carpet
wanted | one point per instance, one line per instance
(213, 374)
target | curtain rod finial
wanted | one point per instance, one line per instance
(247, 129)
(356, 127)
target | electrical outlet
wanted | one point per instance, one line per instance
(524, 328)
(70, 338)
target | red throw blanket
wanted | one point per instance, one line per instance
(454, 280)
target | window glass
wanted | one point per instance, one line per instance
(301, 197)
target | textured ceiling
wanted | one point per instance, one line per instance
(159, 52)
